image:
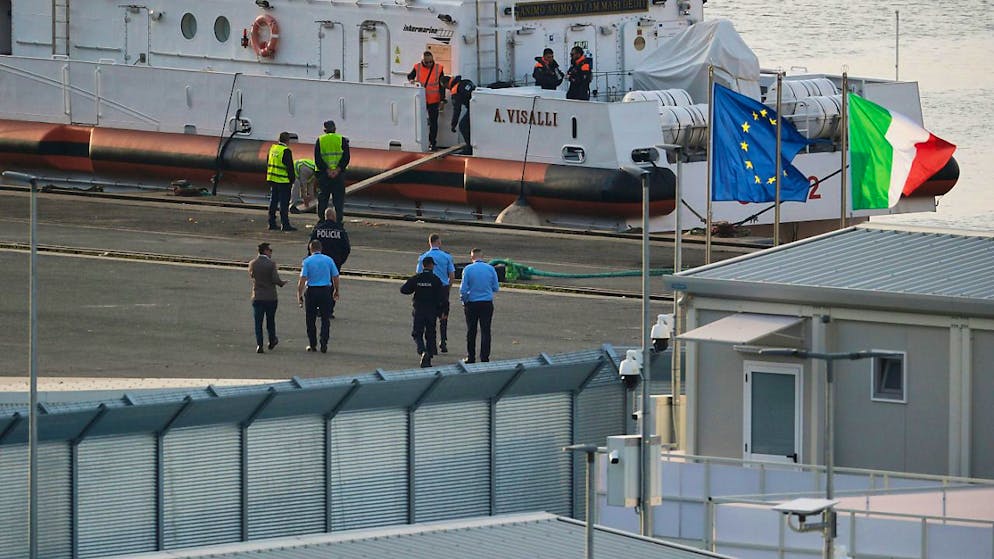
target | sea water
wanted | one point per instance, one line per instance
(947, 47)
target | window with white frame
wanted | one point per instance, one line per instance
(889, 378)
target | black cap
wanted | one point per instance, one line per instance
(263, 247)
(427, 260)
(329, 126)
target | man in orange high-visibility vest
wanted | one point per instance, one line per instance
(429, 75)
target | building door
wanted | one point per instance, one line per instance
(772, 422)
(135, 35)
(6, 28)
(331, 41)
(374, 52)
(585, 37)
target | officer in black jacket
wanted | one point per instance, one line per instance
(334, 241)
(428, 296)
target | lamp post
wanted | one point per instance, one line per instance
(32, 366)
(645, 155)
(591, 452)
(675, 357)
(829, 443)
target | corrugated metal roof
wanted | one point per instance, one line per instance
(879, 266)
(518, 536)
(153, 410)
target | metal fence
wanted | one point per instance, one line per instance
(173, 469)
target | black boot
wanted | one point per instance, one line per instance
(443, 330)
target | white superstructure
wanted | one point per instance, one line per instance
(248, 70)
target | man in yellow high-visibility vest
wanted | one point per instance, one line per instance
(279, 176)
(331, 156)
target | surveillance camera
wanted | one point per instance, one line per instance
(662, 331)
(631, 366)
(614, 457)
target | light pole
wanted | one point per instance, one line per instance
(829, 448)
(675, 357)
(645, 155)
(591, 451)
(32, 366)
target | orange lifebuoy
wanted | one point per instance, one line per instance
(265, 48)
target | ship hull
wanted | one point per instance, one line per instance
(453, 180)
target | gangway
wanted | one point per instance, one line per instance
(391, 173)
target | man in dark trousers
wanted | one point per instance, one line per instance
(334, 241)
(279, 176)
(547, 74)
(462, 91)
(265, 278)
(579, 75)
(479, 283)
(428, 293)
(331, 157)
(445, 269)
(429, 74)
(319, 277)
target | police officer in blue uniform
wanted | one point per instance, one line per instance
(445, 269)
(319, 277)
(428, 293)
(334, 241)
(479, 283)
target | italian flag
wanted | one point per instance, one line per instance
(890, 155)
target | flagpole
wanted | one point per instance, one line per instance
(707, 233)
(776, 203)
(897, 45)
(845, 144)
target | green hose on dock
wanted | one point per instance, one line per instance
(516, 271)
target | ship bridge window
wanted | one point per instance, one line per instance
(222, 29)
(188, 25)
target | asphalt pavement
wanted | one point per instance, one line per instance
(113, 317)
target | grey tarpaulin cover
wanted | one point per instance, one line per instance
(681, 62)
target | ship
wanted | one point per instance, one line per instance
(98, 92)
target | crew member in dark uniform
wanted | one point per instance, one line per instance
(334, 241)
(428, 293)
(462, 91)
(579, 75)
(547, 74)
(331, 157)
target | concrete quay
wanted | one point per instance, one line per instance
(118, 317)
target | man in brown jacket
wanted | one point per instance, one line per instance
(265, 278)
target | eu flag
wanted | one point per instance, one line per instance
(745, 148)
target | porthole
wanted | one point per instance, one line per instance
(188, 25)
(222, 29)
